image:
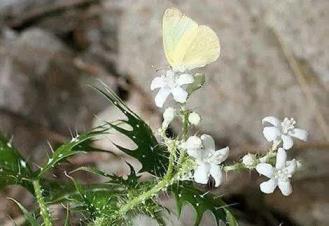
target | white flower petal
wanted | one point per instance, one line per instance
(265, 169)
(193, 142)
(291, 166)
(221, 155)
(185, 79)
(285, 187)
(287, 142)
(170, 74)
(216, 173)
(271, 133)
(299, 133)
(281, 158)
(180, 95)
(268, 186)
(157, 82)
(195, 153)
(201, 173)
(168, 116)
(161, 97)
(208, 142)
(271, 120)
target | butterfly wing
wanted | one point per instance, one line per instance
(188, 45)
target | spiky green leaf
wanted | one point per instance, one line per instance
(186, 193)
(199, 80)
(79, 144)
(30, 218)
(152, 156)
(13, 168)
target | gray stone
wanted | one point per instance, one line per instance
(250, 80)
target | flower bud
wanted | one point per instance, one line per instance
(194, 118)
(249, 161)
(168, 117)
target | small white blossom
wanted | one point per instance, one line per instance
(249, 161)
(279, 175)
(194, 118)
(168, 117)
(171, 83)
(207, 158)
(283, 131)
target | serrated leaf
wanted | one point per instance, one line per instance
(13, 168)
(65, 191)
(102, 200)
(79, 144)
(186, 193)
(130, 181)
(152, 156)
(29, 217)
(199, 80)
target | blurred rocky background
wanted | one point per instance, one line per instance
(274, 61)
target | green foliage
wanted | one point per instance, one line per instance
(79, 144)
(115, 201)
(186, 193)
(13, 168)
(30, 218)
(199, 80)
(153, 156)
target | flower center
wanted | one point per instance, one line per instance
(287, 125)
(171, 79)
(282, 174)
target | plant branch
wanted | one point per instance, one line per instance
(42, 204)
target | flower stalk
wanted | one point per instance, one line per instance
(44, 212)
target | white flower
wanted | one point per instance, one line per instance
(249, 161)
(168, 117)
(279, 175)
(208, 160)
(171, 83)
(194, 118)
(284, 131)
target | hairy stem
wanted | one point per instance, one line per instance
(184, 136)
(169, 178)
(42, 204)
(164, 183)
(185, 114)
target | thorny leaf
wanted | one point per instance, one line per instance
(152, 156)
(13, 168)
(186, 193)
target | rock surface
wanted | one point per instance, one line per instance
(251, 79)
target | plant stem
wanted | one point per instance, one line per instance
(42, 204)
(167, 180)
(184, 136)
(185, 124)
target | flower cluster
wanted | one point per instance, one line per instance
(281, 134)
(202, 151)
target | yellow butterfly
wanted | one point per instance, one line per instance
(188, 45)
